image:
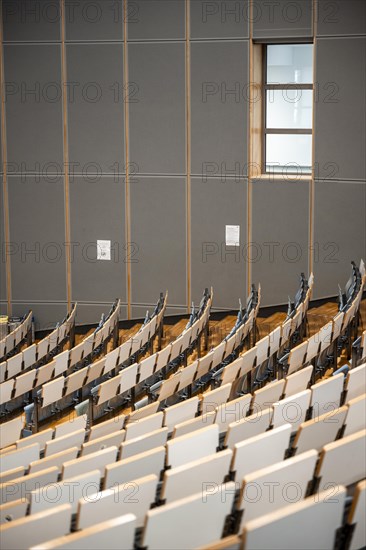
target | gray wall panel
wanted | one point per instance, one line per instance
(157, 108)
(46, 315)
(158, 233)
(282, 19)
(3, 292)
(340, 117)
(97, 212)
(1, 146)
(219, 116)
(220, 19)
(280, 232)
(95, 110)
(156, 19)
(94, 20)
(215, 205)
(139, 312)
(339, 233)
(341, 17)
(34, 108)
(90, 314)
(37, 233)
(31, 20)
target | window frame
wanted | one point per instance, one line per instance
(282, 131)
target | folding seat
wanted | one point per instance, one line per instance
(356, 517)
(55, 460)
(248, 427)
(187, 375)
(147, 367)
(94, 461)
(186, 410)
(6, 391)
(212, 399)
(289, 480)
(13, 510)
(114, 534)
(356, 415)
(19, 488)
(109, 389)
(128, 377)
(355, 384)
(41, 438)
(64, 492)
(71, 425)
(292, 410)
(163, 358)
(61, 362)
(319, 431)
(45, 373)
(201, 518)
(326, 395)
(75, 381)
(260, 451)
(14, 365)
(291, 528)
(144, 443)
(342, 462)
(137, 466)
(298, 381)
(296, 358)
(95, 371)
(20, 457)
(43, 348)
(107, 427)
(74, 439)
(134, 497)
(189, 478)
(52, 391)
(143, 411)
(35, 529)
(144, 426)
(232, 411)
(168, 387)
(192, 446)
(189, 426)
(205, 364)
(29, 356)
(76, 354)
(269, 394)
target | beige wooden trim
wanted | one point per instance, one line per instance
(127, 157)
(5, 179)
(188, 154)
(66, 155)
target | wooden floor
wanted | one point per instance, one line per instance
(317, 317)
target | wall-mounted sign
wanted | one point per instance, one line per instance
(103, 250)
(232, 235)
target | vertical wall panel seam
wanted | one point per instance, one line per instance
(66, 154)
(250, 152)
(188, 154)
(127, 153)
(4, 159)
(312, 180)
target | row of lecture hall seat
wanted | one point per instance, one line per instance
(186, 473)
(252, 458)
(37, 354)
(14, 340)
(66, 366)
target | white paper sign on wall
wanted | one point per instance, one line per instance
(232, 235)
(103, 250)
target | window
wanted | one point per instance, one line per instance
(288, 108)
